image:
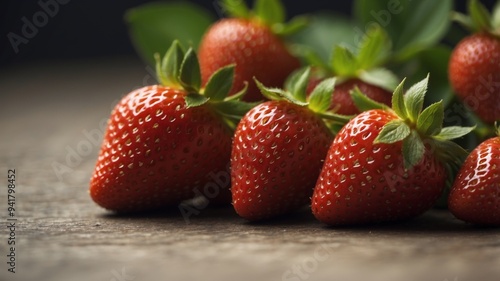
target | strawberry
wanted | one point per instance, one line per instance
(475, 194)
(164, 143)
(278, 150)
(474, 67)
(387, 164)
(361, 69)
(250, 42)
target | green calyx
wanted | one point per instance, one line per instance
(181, 70)
(479, 19)
(319, 101)
(418, 128)
(268, 12)
(363, 62)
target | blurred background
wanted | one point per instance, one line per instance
(94, 29)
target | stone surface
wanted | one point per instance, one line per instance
(50, 121)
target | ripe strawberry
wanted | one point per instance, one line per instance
(164, 143)
(474, 67)
(387, 164)
(475, 195)
(278, 151)
(251, 43)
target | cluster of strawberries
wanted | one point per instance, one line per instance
(356, 148)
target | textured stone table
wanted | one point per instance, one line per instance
(51, 118)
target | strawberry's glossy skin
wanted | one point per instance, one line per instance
(362, 182)
(474, 73)
(342, 102)
(475, 195)
(156, 151)
(255, 50)
(277, 155)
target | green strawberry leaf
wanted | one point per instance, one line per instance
(154, 26)
(374, 49)
(481, 18)
(430, 121)
(324, 31)
(394, 131)
(380, 77)
(454, 132)
(220, 83)
(235, 8)
(194, 100)
(364, 103)
(320, 99)
(270, 11)
(412, 26)
(398, 101)
(344, 62)
(414, 99)
(190, 76)
(413, 150)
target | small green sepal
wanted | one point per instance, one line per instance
(297, 82)
(414, 99)
(454, 132)
(430, 121)
(398, 101)
(344, 62)
(220, 83)
(270, 11)
(394, 131)
(235, 8)
(479, 19)
(320, 99)
(413, 150)
(194, 100)
(374, 49)
(277, 94)
(364, 103)
(190, 76)
(291, 27)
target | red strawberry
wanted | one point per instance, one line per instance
(475, 195)
(251, 44)
(342, 102)
(387, 165)
(474, 73)
(277, 154)
(164, 144)
(157, 150)
(474, 68)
